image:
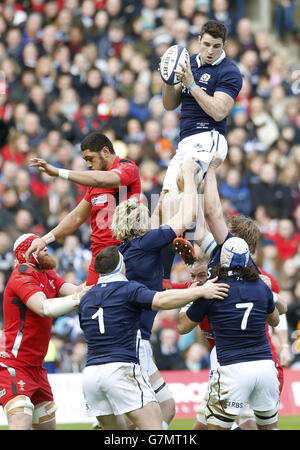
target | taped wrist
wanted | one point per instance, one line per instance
(208, 244)
(55, 307)
(63, 173)
(48, 238)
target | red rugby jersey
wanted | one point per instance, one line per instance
(104, 202)
(26, 335)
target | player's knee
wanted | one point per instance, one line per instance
(219, 418)
(264, 418)
(43, 413)
(19, 405)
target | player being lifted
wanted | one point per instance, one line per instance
(210, 83)
(209, 86)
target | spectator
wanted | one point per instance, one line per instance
(166, 352)
(197, 357)
(221, 11)
(283, 18)
(23, 223)
(287, 239)
(269, 192)
(73, 257)
(6, 256)
(17, 147)
(9, 207)
(236, 193)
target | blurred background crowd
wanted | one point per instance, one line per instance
(69, 67)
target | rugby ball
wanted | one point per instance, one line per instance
(175, 55)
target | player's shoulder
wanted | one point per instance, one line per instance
(228, 64)
(20, 273)
(123, 162)
(21, 269)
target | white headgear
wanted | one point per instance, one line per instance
(234, 253)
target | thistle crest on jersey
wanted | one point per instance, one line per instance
(173, 56)
(234, 253)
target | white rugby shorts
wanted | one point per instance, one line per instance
(145, 356)
(202, 146)
(115, 388)
(233, 386)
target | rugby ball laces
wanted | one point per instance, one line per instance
(170, 61)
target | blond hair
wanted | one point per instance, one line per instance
(246, 228)
(130, 220)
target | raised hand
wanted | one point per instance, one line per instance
(43, 166)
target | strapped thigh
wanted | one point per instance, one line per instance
(43, 413)
(21, 404)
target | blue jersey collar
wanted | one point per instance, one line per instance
(220, 59)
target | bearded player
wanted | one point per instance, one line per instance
(30, 302)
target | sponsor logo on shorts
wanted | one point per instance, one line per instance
(235, 404)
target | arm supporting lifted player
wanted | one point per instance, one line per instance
(174, 298)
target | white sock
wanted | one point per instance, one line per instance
(165, 425)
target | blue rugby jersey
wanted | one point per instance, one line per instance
(238, 323)
(109, 315)
(143, 261)
(224, 76)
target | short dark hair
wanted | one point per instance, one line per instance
(107, 260)
(95, 142)
(215, 29)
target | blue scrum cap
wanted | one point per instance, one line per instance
(234, 253)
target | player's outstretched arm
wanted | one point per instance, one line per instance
(91, 178)
(176, 298)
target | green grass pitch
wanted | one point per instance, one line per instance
(285, 423)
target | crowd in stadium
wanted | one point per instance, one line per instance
(69, 67)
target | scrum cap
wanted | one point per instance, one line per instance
(234, 253)
(21, 246)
